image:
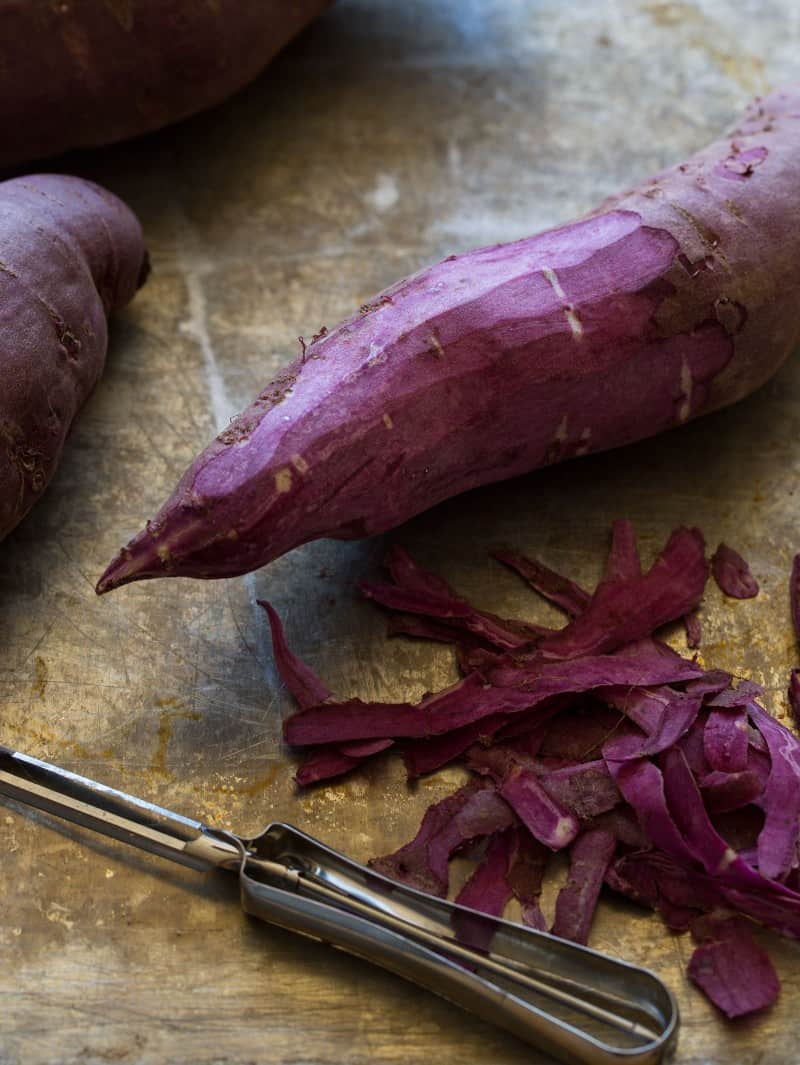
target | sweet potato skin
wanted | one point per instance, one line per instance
(70, 254)
(89, 72)
(670, 300)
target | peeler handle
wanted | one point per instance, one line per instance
(578, 1005)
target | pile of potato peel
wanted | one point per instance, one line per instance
(663, 781)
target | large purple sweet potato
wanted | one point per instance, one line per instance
(70, 253)
(88, 72)
(670, 300)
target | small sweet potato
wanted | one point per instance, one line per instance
(89, 72)
(70, 254)
(670, 300)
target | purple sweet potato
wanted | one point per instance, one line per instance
(70, 254)
(673, 299)
(77, 74)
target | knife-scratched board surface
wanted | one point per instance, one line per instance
(388, 136)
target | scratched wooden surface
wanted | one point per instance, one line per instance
(388, 136)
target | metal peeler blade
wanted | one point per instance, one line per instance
(578, 1005)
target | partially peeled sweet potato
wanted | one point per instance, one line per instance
(670, 300)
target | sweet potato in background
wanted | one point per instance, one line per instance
(78, 73)
(70, 254)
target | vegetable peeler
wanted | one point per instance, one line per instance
(577, 1004)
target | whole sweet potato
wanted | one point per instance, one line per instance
(70, 253)
(87, 72)
(670, 300)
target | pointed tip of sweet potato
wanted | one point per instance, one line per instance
(141, 560)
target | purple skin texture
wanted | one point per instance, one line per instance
(590, 857)
(411, 863)
(794, 695)
(101, 71)
(525, 879)
(777, 842)
(545, 819)
(678, 715)
(725, 740)
(324, 764)
(623, 559)
(694, 631)
(731, 968)
(558, 590)
(70, 254)
(673, 299)
(585, 790)
(472, 700)
(794, 595)
(418, 591)
(542, 814)
(471, 813)
(305, 686)
(730, 791)
(488, 889)
(622, 610)
(732, 574)
(452, 609)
